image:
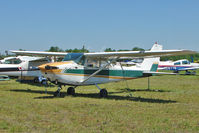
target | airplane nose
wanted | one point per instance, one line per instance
(45, 67)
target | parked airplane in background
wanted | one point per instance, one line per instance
(4, 78)
(176, 66)
(78, 69)
(22, 66)
(132, 62)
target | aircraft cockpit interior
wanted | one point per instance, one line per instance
(80, 59)
(182, 62)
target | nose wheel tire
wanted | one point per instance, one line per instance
(103, 93)
(57, 93)
(71, 91)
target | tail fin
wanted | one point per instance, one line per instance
(151, 64)
(192, 59)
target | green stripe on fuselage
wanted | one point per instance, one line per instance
(154, 67)
(121, 73)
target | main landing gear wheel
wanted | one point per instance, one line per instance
(71, 91)
(103, 93)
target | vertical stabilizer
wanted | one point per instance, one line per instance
(151, 64)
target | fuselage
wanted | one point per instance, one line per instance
(180, 65)
(71, 73)
(20, 66)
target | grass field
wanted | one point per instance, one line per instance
(171, 105)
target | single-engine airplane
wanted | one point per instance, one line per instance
(79, 69)
(22, 66)
(179, 65)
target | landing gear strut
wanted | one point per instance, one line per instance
(57, 93)
(103, 92)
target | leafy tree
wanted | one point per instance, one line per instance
(21, 49)
(109, 50)
(82, 50)
(55, 49)
(123, 50)
(137, 49)
(174, 58)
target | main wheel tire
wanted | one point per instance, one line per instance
(103, 93)
(71, 91)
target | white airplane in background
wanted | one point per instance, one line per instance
(79, 69)
(22, 66)
(179, 65)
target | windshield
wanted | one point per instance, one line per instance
(73, 57)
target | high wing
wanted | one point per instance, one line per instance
(156, 53)
(159, 73)
(39, 53)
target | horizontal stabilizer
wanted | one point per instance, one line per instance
(160, 73)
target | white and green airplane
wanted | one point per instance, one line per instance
(79, 69)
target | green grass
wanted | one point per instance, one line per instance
(172, 105)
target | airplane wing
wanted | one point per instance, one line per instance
(157, 53)
(39, 53)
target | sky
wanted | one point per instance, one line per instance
(98, 24)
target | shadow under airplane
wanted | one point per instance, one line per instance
(148, 90)
(31, 82)
(95, 95)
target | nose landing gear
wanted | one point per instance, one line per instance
(57, 93)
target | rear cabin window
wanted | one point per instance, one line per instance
(15, 61)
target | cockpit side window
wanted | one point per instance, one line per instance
(185, 62)
(177, 63)
(13, 61)
(92, 63)
(95, 63)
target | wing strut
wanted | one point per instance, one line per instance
(123, 75)
(96, 72)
